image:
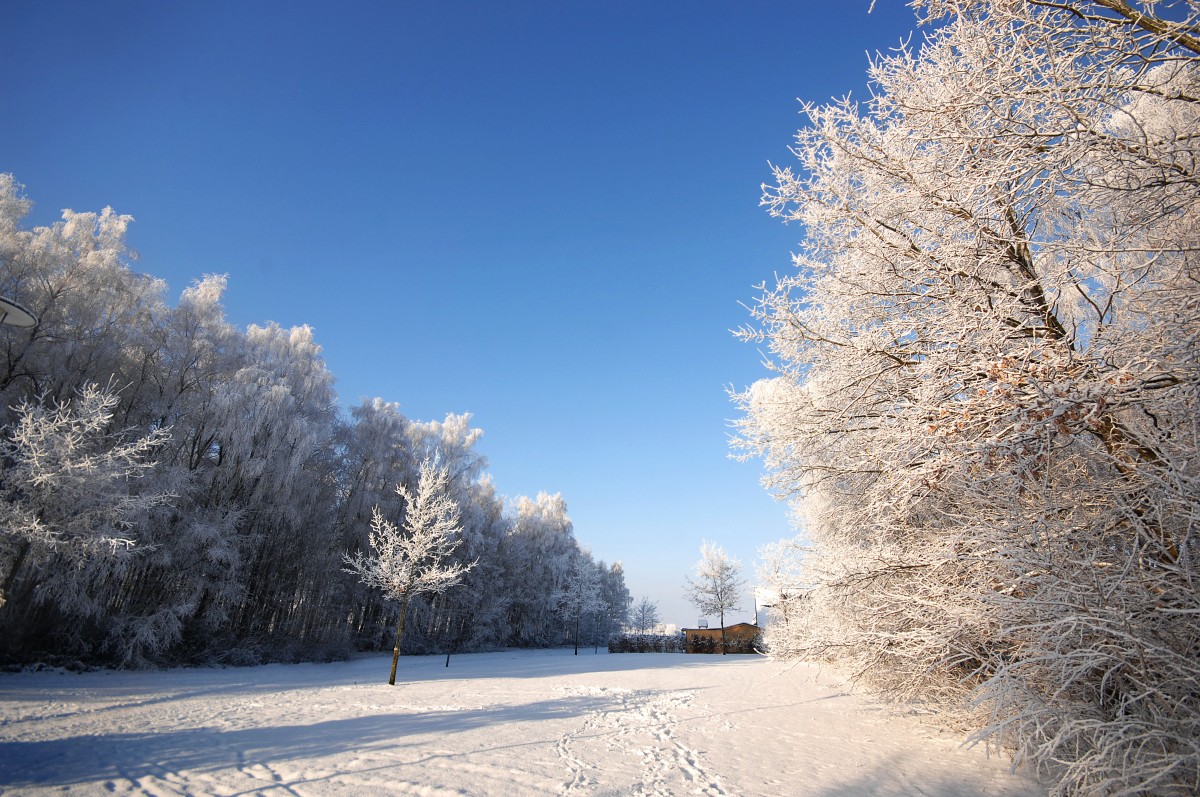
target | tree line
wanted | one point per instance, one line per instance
(178, 490)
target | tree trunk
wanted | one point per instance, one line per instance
(577, 633)
(11, 579)
(399, 636)
(724, 649)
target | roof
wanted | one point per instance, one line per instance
(727, 628)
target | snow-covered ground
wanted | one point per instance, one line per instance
(511, 723)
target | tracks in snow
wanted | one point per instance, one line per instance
(641, 728)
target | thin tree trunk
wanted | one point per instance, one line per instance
(399, 636)
(11, 578)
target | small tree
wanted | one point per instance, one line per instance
(645, 615)
(718, 585)
(411, 559)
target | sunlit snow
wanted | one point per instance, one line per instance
(511, 723)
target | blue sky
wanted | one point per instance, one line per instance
(542, 213)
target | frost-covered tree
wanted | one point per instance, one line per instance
(781, 588)
(376, 455)
(615, 600)
(68, 494)
(177, 601)
(91, 307)
(411, 559)
(644, 616)
(987, 378)
(580, 595)
(278, 459)
(537, 556)
(718, 585)
(100, 322)
(478, 605)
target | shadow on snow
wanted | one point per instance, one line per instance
(132, 756)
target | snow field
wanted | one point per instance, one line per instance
(510, 723)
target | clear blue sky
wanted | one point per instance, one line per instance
(541, 213)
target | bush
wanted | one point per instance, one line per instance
(733, 644)
(645, 643)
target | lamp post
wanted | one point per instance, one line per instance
(14, 315)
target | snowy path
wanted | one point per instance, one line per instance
(514, 723)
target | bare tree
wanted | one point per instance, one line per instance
(718, 585)
(645, 615)
(411, 559)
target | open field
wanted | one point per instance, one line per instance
(510, 723)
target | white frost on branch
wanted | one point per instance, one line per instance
(68, 481)
(986, 380)
(410, 559)
(414, 558)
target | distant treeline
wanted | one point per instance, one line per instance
(177, 490)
